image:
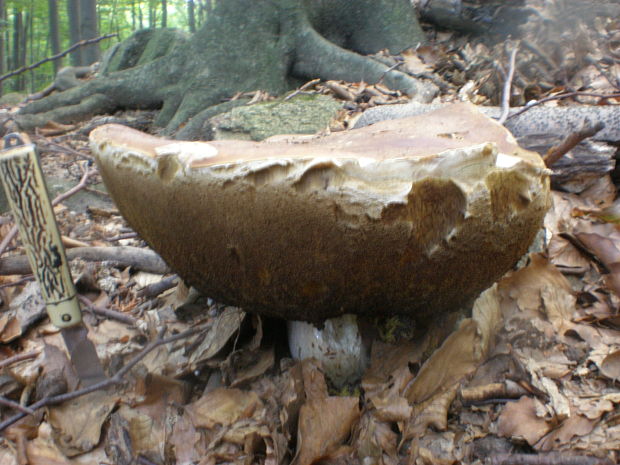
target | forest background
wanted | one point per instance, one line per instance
(33, 30)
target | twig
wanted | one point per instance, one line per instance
(302, 88)
(81, 43)
(18, 282)
(112, 381)
(18, 358)
(136, 257)
(14, 405)
(563, 96)
(120, 237)
(391, 68)
(508, 85)
(108, 312)
(558, 151)
(547, 459)
(55, 147)
(79, 186)
(157, 288)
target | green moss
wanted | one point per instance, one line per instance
(300, 115)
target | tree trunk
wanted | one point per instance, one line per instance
(52, 6)
(89, 30)
(191, 16)
(19, 53)
(2, 42)
(247, 45)
(152, 14)
(164, 13)
(73, 12)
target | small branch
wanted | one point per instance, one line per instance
(79, 186)
(108, 312)
(547, 459)
(112, 381)
(120, 237)
(302, 88)
(81, 43)
(123, 256)
(18, 358)
(557, 152)
(153, 290)
(507, 86)
(563, 96)
(14, 405)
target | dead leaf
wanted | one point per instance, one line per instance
(525, 285)
(315, 386)
(559, 306)
(603, 240)
(375, 439)
(43, 451)
(323, 425)
(610, 366)
(224, 326)
(520, 420)
(7, 456)
(575, 425)
(185, 441)
(223, 406)
(77, 424)
(433, 412)
(458, 356)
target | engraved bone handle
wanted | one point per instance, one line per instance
(32, 210)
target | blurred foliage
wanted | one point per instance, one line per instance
(115, 16)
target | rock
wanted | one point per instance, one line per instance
(299, 115)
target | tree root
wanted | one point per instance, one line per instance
(193, 79)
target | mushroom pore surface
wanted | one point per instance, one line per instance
(417, 215)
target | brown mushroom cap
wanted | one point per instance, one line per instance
(416, 215)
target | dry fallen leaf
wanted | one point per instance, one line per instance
(223, 407)
(610, 366)
(520, 420)
(323, 425)
(77, 424)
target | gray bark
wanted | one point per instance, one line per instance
(73, 11)
(247, 45)
(89, 30)
(52, 6)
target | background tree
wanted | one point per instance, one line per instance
(73, 12)
(54, 31)
(246, 45)
(89, 30)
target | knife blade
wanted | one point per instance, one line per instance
(28, 198)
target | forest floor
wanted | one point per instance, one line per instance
(224, 389)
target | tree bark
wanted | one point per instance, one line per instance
(191, 16)
(2, 42)
(73, 12)
(52, 6)
(164, 13)
(89, 30)
(245, 45)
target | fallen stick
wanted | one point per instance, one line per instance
(123, 256)
(557, 152)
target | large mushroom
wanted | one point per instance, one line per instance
(417, 215)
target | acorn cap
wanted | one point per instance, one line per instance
(416, 215)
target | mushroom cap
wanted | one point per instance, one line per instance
(416, 215)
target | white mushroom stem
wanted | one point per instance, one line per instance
(338, 345)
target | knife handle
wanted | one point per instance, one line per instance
(27, 194)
